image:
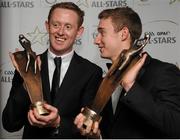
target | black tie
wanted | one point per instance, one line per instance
(56, 77)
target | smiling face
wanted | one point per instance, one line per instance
(63, 30)
(117, 30)
(108, 40)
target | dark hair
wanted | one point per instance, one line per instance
(124, 17)
(70, 6)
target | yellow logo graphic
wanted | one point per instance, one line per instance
(37, 36)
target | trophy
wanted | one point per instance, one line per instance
(29, 70)
(123, 63)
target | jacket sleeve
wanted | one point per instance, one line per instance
(15, 112)
(158, 103)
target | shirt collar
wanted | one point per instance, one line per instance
(65, 57)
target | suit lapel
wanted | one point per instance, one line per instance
(108, 111)
(45, 77)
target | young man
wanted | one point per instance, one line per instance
(79, 80)
(149, 104)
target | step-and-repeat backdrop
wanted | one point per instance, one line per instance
(160, 18)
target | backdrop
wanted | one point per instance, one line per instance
(160, 18)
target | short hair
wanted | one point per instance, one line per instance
(70, 6)
(124, 16)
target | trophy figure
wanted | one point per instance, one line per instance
(29, 70)
(123, 63)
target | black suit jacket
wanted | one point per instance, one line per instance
(151, 108)
(77, 90)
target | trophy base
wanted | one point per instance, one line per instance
(90, 116)
(39, 106)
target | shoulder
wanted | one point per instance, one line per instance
(44, 54)
(158, 64)
(85, 62)
(161, 67)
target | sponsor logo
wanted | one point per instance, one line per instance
(7, 76)
(16, 4)
(91, 3)
(109, 3)
(162, 37)
(162, 31)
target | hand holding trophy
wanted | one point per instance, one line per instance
(26, 64)
(119, 68)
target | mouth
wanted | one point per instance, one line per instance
(101, 48)
(60, 39)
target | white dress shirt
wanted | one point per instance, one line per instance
(66, 59)
(115, 97)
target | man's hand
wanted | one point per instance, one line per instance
(129, 78)
(91, 130)
(50, 120)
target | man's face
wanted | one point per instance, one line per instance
(63, 30)
(108, 41)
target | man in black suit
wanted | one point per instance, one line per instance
(79, 80)
(147, 102)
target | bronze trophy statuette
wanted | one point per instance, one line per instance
(29, 70)
(125, 61)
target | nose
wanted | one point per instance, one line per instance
(97, 39)
(61, 31)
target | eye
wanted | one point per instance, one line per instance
(102, 33)
(68, 27)
(55, 25)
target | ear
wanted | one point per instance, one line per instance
(47, 26)
(124, 33)
(80, 32)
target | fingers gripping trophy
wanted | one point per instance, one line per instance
(26, 64)
(123, 63)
